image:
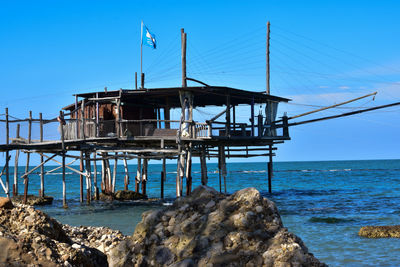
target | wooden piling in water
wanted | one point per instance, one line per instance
(88, 177)
(114, 173)
(126, 179)
(15, 185)
(138, 174)
(220, 168)
(144, 176)
(270, 171)
(65, 206)
(189, 171)
(203, 166)
(7, 156)
(81, 178)
(41, 191)
(96, 189)
(26, 180)
(163, 176)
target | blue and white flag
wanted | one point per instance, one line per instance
(148, 39)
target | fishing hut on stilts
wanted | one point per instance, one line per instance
(127, 124)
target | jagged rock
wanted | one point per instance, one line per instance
(5, 203)
(30, 237)
(380, 231)
(33, 200)
(210, 229)
(128, 195)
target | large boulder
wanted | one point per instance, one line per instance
(210, 229)
(5, 203)
(380, 231)
(30, 237)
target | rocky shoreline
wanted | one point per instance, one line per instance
(205, 229)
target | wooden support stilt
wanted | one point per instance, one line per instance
(178, 171)
(182, 173)
(96, 189)
(138, 174)
(7, 156)
(223, 166)
(81, 178)
(163, 176)
(144, 176)
(15, 185)
(114, 173)
(220, 168)
(203, 164)
(88, 178)
(26, 180)
(108, 177)
(188, 171)
(270, 171)
(41, 191)
(126, 179)
(65, 206)
(103, 174)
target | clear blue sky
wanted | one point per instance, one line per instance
(322, 52)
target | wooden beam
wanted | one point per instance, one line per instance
(37, 167)
(270, 170)
(81, 174)
(26, 180)
(15, 185)
(7, 156)
(41, 192)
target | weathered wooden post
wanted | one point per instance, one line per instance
(114, 173)
(88, 177)
(7, 156)
(119, 132)
(97, 117)
(138, 174)
(83, 119)
(203, 165)
(135, 80)
(76, 118)
(220, 167)
(41, 191)
(81, 178)
(163, 176)
(26, 180)
(96, 189)
(228, 115)
(63, 160)
(270, 170)
(189, 170)
(15, 185)
(144, 176)
(126, 179)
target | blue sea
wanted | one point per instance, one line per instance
(323, 202)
